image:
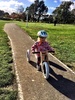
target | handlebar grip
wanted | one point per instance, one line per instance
(52, 51)
(35, 52)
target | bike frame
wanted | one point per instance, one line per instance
(44, 56)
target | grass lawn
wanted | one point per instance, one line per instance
(61, 37)
(6, 72)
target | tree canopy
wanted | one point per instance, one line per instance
(63, 13)
(37, 9)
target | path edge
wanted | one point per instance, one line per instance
(20, 92)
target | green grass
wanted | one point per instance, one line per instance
(61, 37)
(6, 72)
(7, 95)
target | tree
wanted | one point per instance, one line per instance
(6, 14)
(73, 16)
(37, 9)
(73, 11)
(41, 9)
(30, 11)
(1, 13)
(20, 9)
(63, 13)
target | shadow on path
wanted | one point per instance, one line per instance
(51, 63)
(62, 84)
(33, 63)
(57, 66)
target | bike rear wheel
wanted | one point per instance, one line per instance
(45, 70)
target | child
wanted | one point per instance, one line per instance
(41, 45)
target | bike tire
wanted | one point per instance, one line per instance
(28, 55)
(45, 70)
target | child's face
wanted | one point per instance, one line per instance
(42, 39)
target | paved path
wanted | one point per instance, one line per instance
(31, 84)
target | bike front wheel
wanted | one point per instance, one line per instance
(45, 70)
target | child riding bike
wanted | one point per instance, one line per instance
(41, 45)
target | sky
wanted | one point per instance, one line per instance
(12, 5)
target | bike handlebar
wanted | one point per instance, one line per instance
(43, 52)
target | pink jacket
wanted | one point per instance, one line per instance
(41, 47)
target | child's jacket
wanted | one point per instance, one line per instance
(41, 47)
